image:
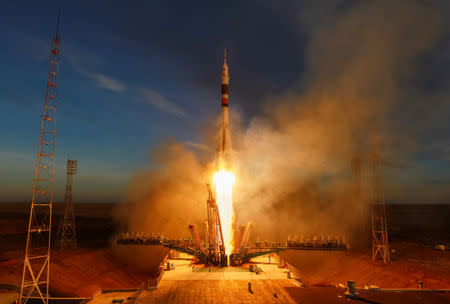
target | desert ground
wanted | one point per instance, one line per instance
(415, 229)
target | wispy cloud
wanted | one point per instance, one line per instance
(74, 55)
(162, 103)
(151, 97)
(103, 81)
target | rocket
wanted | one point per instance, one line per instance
(224, 144)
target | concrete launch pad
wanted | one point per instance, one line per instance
(184, 271)
(186, 284)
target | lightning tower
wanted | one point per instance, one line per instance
(380, 240)
(67, 233)
(36, 269)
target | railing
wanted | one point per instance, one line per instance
(313, 243)
(292, 269)
(153, 283)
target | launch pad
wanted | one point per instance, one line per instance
(211, 252)
(187, 283)
(222, 246)
(241, 256)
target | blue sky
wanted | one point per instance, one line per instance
(121, 91)
(133, 75)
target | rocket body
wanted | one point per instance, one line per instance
(225, 81)
(224, 143)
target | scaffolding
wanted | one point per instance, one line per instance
(36, 269)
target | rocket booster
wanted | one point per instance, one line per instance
(225, 80)
(224, 144)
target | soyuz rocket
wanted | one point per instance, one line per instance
(224, 144)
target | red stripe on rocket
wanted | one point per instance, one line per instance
(225, 81)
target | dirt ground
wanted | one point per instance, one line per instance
(410, 264)
(95, 264)
(325, 295)
(82, 272)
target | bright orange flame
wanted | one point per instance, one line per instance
(224, 181)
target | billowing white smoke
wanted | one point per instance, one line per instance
(292, 164)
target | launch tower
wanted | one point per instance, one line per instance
(36, 268)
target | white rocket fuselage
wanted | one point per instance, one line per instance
(224, 144)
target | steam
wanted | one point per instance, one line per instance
(292, 164)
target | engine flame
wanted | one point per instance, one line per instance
(223, 182)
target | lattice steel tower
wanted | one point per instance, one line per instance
(380, 240)
(67, 236)
(36, 269)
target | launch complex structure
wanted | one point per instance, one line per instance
(213, 250)
(36, 268)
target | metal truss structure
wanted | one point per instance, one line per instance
(36, 269)
(214, 251)
(67, 236)
(380, 240)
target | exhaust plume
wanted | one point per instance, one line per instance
(293, 163)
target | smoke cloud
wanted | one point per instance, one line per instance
(168, 197)
(292, 164)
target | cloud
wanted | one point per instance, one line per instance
(162, 103)
(107, 82)
(103, 81)
(73, 55)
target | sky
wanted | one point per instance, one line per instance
(135, 75)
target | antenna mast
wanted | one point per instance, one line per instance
(36, 269)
